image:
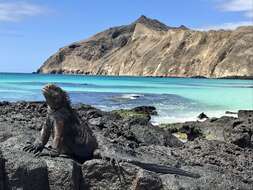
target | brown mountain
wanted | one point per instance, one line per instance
(148, 47)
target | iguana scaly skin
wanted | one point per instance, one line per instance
(70, 135)
(74, 138)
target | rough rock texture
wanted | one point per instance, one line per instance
(150, 48)
(238, 130)
(222, 164)
(2, 172)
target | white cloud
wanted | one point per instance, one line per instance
(16, 11)
(225, 26)
(244, 6)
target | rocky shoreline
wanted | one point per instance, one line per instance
(219, 149)
(194, 77)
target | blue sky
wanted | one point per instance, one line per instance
(32, 30)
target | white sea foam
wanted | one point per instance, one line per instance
(192, 116)
(131, 96)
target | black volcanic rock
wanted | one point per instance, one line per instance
(240, 131)
(221, 164)
(3, 184)
(150, 110)
(202, 116)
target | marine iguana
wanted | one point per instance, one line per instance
(74, 138)
(70, 135)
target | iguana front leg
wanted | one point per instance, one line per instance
(39, 144)
(58, 135)
(56, 149)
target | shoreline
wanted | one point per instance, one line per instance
(135, 76)
(233, 114)
(183, 77)
(155, 119)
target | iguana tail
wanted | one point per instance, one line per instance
(157, 168)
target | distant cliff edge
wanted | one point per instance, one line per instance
(148, 47)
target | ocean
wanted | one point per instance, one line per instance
(176, 99)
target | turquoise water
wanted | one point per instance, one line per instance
(177, 99)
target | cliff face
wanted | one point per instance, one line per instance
(150, 48)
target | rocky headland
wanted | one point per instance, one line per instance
(148, 47)
(219, 149)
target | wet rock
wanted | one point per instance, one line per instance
(150, 110)
(4, 103)
(130, 114)
(203, 116)
(245, 114)
(230, 112)
(211, 129)
(139, 120)
(192, 131)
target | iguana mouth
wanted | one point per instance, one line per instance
(46, 89)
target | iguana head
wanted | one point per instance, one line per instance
(55, 96)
